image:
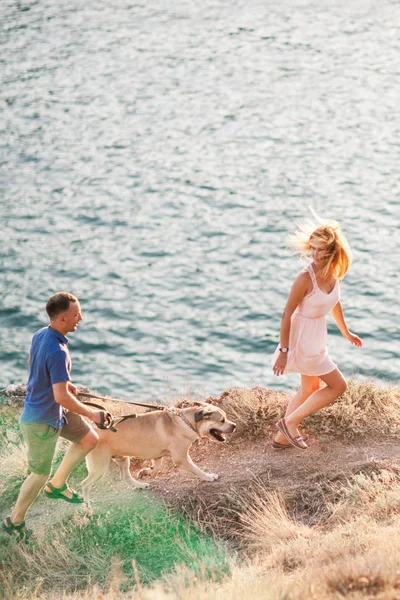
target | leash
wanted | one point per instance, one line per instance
(133, 416)
(107, 420)
(154, 406)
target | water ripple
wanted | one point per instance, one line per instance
(153, 160)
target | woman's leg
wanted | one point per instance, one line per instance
(309, 385)
(335, 386)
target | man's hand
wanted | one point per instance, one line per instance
(72, 388)
(96, 416)
(65, 394)
(102, 418)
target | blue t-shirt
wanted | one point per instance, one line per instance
(50, 363)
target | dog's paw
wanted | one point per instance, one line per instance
(211, 476)
(138, 484)
(144, 473)
(143, 486)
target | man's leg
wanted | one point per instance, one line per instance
(28, 493)
(41, 442)
(74, 455)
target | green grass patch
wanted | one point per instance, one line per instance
(85, 548)
(156, 538)
(10, 492)
(9, 421)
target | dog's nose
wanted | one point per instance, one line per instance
(233, 426)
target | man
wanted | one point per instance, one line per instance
(51, 410)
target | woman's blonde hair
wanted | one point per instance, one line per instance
(337, 255)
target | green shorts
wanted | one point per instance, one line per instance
(41, 440)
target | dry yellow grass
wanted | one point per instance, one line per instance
(13, 463)
(351, 551)
(354, 558)
(252, 410)
(364, 409)
(330, 568)
(244, 582)
(348, 556)
(267, 523)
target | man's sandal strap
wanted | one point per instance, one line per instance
(54, 489)
(57, 493)
(20, 530)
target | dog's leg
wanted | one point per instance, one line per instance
(124, 464)
(153, 470)
(186, 463)
(97, 462)
(120, 461)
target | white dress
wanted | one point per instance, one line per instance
(308, 353)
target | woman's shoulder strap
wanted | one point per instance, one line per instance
(311, 272)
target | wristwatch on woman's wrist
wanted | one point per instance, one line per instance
(284, 350)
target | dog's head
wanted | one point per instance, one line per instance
(210, 421)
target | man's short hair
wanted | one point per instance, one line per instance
(59, 303)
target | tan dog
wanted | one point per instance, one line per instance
(153, 435)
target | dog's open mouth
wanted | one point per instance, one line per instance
(218, 435)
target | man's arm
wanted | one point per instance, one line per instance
(63, 396)
(72, 388)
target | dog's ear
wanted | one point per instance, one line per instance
(202, 414)
(198, 415)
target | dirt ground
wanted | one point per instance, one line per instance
(241, 465)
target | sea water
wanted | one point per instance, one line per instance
(156, 156)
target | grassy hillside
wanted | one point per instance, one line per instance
(327, 532)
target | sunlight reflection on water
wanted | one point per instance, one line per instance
(155, 159)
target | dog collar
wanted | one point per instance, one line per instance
(186, 421)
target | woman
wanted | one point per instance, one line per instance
(314, 293)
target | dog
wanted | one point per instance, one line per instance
(152, 436)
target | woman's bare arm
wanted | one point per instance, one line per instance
(338, 315)
(300, 288)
